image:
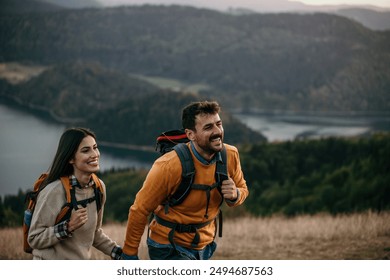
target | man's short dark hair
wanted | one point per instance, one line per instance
(195, 108)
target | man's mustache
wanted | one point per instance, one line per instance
(215, 137)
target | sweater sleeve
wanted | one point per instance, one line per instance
(235, 172)
(162, 179)
(49, 203)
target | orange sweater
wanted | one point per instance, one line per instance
(162, 180)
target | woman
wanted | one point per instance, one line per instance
(77, 158)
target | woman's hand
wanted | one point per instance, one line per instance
(77, 219)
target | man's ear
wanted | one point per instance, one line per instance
(190, 134)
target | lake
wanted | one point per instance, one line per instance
(28, 144)
(283, 126)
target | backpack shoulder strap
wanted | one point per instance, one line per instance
(71, 201)
(221, 172)
(98, 184)
(31, 196)
(39, 181)
(70, 192)
(98, 191)
(188, 172)
(185, 157)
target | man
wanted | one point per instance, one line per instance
(187, 231)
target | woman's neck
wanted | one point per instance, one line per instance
(83, 178)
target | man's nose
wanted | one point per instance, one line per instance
(217, 130)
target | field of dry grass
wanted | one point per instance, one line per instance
(364, 236)
(16, 73)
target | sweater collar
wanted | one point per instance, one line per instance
(216, 157)
(75, 183)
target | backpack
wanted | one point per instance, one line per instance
(66, 210)
(176, 140)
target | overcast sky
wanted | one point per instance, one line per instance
(379, 3)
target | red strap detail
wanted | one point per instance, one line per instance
(170, 138)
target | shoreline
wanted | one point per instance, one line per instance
(50, 117)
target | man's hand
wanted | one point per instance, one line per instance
(229, 189)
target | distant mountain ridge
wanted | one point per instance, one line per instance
(272, 61)
(74, 4)
(376, 18)
(262, 6)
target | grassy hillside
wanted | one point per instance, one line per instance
(362, 236)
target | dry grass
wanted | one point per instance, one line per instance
(364, 236)
(16, 73)
(319, 237)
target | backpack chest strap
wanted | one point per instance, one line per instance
(84, 202)
(182, 228)
(208, 190)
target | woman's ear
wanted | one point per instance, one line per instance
(71, 161)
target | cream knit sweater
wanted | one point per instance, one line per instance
(77, 247)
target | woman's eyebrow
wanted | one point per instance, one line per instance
(84, 147)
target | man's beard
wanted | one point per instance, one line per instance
(209, 148)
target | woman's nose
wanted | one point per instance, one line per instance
(96, 153)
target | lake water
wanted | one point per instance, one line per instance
(28, 144)
(283, 126)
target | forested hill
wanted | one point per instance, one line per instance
(266, 61)
(331, 175)
(120, 108)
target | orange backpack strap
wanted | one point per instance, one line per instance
(66, 184)
(39, 181)
(31, 196)
(98, 191)
(67, 209)
(98, 184)
(72, 203)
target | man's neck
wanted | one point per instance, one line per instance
(205, 160)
